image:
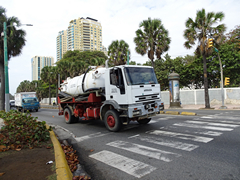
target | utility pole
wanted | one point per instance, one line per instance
(222, 90)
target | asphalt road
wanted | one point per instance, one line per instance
(205, 146)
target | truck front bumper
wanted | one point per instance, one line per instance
(145, 109)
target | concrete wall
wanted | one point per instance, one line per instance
(231, 96)
(46, 100)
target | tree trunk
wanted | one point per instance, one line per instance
(207, 104)
(49, 94)
(57, 93)
(153, 64)
(2, 87)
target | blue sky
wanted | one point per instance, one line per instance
(119, 18)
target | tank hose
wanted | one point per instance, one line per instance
(84, 79)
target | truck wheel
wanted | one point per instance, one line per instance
(68, 116)
(112, 120)
(36, 110)
(144, 121)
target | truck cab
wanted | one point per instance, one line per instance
(133, 91)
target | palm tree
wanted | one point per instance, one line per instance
(46, 76)
(15, 42)
(200, 30)
(55, 74)
(152, 38)
(117, 51)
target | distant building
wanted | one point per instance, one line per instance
(61, 44)
(82, 34)
(39, 62)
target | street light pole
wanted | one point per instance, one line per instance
(6, 64)
(6, 68)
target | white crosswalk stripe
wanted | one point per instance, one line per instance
(87, 137)
(181, 136)
(144, 150)
(213, 124)
(127, 165)
(202, 127)
(209, 133)
(164, 142)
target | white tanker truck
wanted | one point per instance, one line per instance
(116, 95)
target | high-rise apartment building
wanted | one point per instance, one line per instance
(82, 34)
(39, 62)
(61, 44)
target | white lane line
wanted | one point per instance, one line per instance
(213, 124)
(83, 138)
(144, 150)
(164, 142)
(210, 133)
(127, 165)
(202, 127)
(181, 136)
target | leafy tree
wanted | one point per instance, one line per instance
(75, 62)
(24, 86)
(152, 38)
(117, 52)
(200, 30)
(15, 42)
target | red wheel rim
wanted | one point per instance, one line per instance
(111, 121)
(66, 116)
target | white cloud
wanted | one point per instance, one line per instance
(119, 18)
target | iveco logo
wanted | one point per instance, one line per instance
(147, 90)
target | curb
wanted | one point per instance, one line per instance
(49, 107)
(188, 113)
(172, 112)
(62, 169)
(178, 113)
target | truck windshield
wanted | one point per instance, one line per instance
(30, 100)
(140, 75)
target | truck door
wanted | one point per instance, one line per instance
(117, 86)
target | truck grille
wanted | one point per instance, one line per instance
(148, 97)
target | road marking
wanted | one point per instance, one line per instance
(221, 117)
(181, 136)
(202, 127)
(164, 142)
(213, 124)
(220, 121)
(83, 138)
(144, 150)
(152, 121)
(127, 165)
(210, 133)
(207, 117)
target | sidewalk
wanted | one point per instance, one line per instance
(201, 106)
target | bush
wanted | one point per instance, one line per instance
(21, 130)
